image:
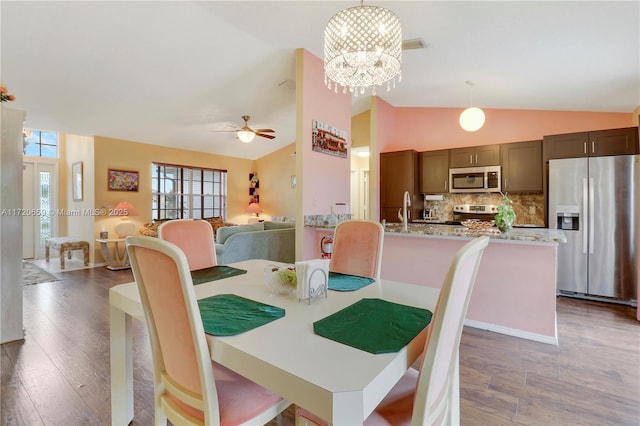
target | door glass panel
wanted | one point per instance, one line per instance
(45, 206)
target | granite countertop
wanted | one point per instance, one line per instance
(523, 235)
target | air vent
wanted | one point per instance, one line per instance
(415, 43)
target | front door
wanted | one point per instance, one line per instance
(39, 192)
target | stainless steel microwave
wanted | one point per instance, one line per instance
(475, 179)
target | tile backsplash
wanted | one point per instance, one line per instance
(529, 208)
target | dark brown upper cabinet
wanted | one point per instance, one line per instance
(434, 171)
(485, 155)
(399, 173)
(522, 166)
(598, 143)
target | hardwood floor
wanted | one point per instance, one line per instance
(59, 375)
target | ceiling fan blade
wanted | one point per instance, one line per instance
(265, 136)
(264, 131)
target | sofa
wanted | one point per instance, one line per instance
(263, 240)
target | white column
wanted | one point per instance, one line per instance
(11, 326)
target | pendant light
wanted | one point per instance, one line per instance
(471, 118)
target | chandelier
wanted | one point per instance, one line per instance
(362, 48)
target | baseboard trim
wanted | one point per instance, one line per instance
(550, 340)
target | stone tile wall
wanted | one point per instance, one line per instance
(529, 208)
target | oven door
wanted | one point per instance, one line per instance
(467, 180)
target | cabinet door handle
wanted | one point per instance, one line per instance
(505, 183)
(445, 184)
(593, 147)
(476, 158)
(585, 147)
(470, 158)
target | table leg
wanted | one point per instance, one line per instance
(120, 328)
(114, 261)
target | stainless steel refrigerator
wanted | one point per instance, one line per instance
(595, 201)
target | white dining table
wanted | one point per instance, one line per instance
(337, 382)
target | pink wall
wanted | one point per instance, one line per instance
(426, 129)
(385, 125)
(516, 297)
(325, 178)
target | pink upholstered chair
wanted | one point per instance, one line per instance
(431, 396)
(189, 389)
(357, 248)
(195, 239)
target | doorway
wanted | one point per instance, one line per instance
(39, 218)
(360, 183)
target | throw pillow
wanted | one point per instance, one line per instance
(215, 222)
(151, 229)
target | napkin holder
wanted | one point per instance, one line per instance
(313, 278)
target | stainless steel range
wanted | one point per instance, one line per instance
(474, 211)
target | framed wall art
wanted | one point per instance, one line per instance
(123, 180)
(76, 181)
(329, 140)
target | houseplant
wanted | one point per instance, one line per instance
(506, 215)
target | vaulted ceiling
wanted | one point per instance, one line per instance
(170, 72)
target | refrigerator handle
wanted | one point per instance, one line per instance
(585, 200)
(591, 215)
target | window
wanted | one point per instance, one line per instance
(187, 192)
(38, 143)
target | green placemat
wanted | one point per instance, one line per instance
(374, 325)
(217, 272)
(228, 314)
(344, 282)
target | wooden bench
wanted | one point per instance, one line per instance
(66, 244)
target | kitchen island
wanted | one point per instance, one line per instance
(515, 290)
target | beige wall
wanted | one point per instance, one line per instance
(135, 156)
(277, 198)
(361, 129)
(78, 149)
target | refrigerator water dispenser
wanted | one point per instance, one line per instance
(569, 221)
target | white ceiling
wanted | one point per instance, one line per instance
(170, 72)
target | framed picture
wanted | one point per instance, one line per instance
(76, 181)
(123, 180)
(328, 140)
(253, 180)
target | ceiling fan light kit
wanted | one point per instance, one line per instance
(472, 118)
(362, 48)
(246, 134)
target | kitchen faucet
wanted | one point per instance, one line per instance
(404, 216)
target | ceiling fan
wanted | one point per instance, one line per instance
(246, 134)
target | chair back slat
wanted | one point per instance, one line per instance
(436, 380)
(357, 248)
(195, 239)
(178, 347)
